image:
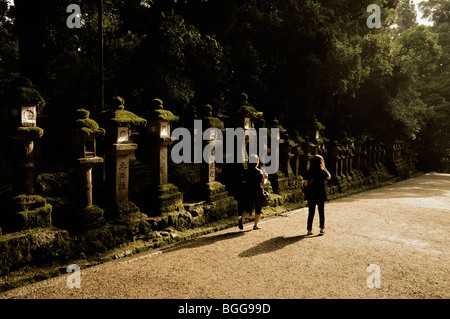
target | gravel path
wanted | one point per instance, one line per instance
(403, 229)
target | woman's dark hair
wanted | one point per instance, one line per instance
(316, 163)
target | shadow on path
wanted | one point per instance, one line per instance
(274, 244)
(207, 240)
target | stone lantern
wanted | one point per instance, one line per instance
(279, 181)
(25, 102)
(208, 168)
(119, 124)
(347, 154)
(309, 150)
(85, 132)
(335, 158)
(286, 154)
(246, 114)
(313, 131)
(158, 128)
(298, 153)
(164, 195)
(24, 210)
(219, 203)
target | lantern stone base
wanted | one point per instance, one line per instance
(91, 217)
(33, 247)
(279, 182)
(294, 182)
(126, 222)
(165, 198)
(211, 192)
(341, 182)
(219, 204)
(24, 212)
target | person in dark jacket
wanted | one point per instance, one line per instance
(255, 179)
(314, 182)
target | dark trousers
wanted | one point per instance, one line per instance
(312, 209)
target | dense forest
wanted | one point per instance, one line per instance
(294, 59)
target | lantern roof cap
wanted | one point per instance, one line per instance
(208, 119)
(246, 108)
(314, 124)
(85, 126)
(23, 92)
(119, 116)
(157, 112)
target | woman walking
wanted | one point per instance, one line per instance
(254, 193)
(314, 182)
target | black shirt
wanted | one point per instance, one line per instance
(253, 187)
(316, 184)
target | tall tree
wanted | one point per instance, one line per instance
(434, 141)
(406, 15)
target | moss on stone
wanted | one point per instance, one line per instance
(158, 113)
(212, 122)
(22, 92)
(85, 126)
(30, 211)
(26, 96)
(29, 95)
(42, 245)
(25, 202)
(26, 133)
(122, 118)
(247, 108)
(89, 161)
(89, 217)
(118, 116)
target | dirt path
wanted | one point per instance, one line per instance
(402, 229)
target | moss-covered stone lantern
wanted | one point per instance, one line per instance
(279, 181)
(309, 150)
(210, 189)
(298, 152)
(158, 128)
(334, 159)
(24, 101)
(119, 124)
(165, 196)
(347, 154)
(84, 134)
(208, 167)
(313, 130)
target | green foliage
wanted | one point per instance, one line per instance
(433, 144)
(295, 59)
(9, 48)
(406, 15)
